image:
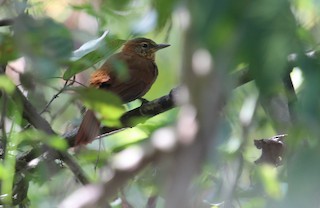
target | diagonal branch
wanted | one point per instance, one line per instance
(34, 118)
(144, 112)
(31, 114)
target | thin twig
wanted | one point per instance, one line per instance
(73, 80)
(55, 96)
(4, 139)
(3, 114)
(62, 109)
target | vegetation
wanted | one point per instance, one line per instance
(232, 119)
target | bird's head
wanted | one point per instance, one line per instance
(143, 47)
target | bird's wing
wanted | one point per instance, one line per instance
(100, 77)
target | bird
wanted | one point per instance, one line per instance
(138, 55)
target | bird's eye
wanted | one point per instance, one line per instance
(144, 45)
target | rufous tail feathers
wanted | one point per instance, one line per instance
(89, 129)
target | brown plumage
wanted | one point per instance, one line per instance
(138, 55)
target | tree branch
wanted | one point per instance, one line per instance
(6, 22)
(153, 108)
(23, 163)
(145, 111)
(31, 114)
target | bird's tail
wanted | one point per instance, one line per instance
(89, 129)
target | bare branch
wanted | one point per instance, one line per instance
(6, 22)
(3, 115)
(31, 114)
(4, 139)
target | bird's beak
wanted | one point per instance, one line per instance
(161, 46)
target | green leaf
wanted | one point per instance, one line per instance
(125, 138)
(91, 53)
(6, 84)
(108, 106)
(164, 9)
(4, 172)
(93, 157)
(8, 50)
(35, 136)
(116, 5)
(86, 7)
(269, 179)
(43, 37)
(56, 142)
(46, 43)
(88, 47)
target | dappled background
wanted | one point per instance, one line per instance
(246, 70)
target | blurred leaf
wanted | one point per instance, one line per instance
(306, 36)
(272, 26)
(87, 8)
(125, 138)
(309, 100)
(56, 142)
(146, 24)
(164, 9)
(254, 202)
(141, 132)
(88, 47)
(14, 109)
(303, 174)
(46, 43)
(94, 157)
(269, 179)
(35, 136)
(217, 205)
(8, 50)
(43, 37)
(91, 53)
(4, 172)
(106, 104)
(115, 5)
(82, 64)
(147, 181)
(6, 84)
